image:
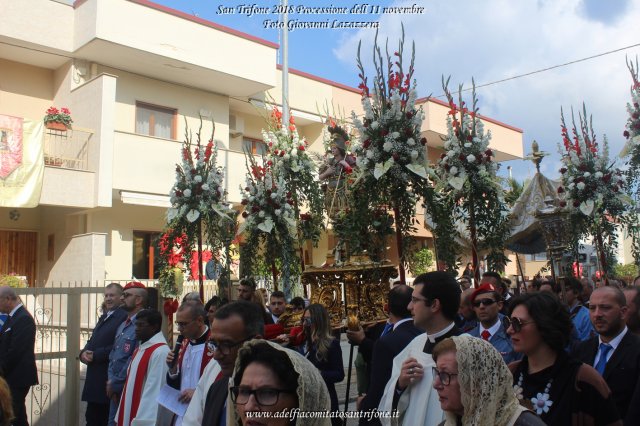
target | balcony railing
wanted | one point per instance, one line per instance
(68, 149)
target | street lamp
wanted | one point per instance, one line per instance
(553, 223)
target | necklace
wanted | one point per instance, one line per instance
(540, 403)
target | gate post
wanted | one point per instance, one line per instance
(72, 391)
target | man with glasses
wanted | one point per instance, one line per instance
(194, 354)
(487, 304)
(96, 356)
(233, 324)
(133, 299)
(434, 306)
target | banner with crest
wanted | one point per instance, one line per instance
(21, 161)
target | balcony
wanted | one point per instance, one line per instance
(67, 149)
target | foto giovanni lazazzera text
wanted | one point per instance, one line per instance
(295, 413)
(295, 23)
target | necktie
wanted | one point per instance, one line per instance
(387, 329)
(485, 335)
(602, 362)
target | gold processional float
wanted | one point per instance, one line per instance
(354, 292)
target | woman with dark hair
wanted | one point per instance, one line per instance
(270, 379)
(323, 350)
(560, 389)
(6, 407)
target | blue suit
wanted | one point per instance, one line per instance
(501, 341)
(124, 345)
(581, 323)
(101, 343)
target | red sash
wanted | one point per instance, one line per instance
(141, 372)
(206, 354)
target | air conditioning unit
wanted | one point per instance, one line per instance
(236, 126)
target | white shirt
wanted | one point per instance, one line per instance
(395, 325)
(613, 343)
(492, 330)
(432, 337)
(13, 311)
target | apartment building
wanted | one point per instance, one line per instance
(135, 76)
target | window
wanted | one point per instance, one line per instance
(538, 257)
(254, 146)
(145, 255)
(156, 121)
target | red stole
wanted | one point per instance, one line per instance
(207, 355)
(143, 365)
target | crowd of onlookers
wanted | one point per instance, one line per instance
(449, 353)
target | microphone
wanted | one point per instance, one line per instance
(176, 350)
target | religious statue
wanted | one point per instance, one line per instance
(337, 167)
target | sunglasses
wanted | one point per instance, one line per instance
(485, 302)
(516, 323)
(264, 396)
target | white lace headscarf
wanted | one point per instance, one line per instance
(486, 385)
(312, 391)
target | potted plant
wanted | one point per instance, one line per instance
(58, 119)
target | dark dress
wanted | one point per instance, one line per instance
(332, 372)
(579, 394)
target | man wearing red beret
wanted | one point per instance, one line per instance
(134, 299)
(487, 303)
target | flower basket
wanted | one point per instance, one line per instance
(55, 125)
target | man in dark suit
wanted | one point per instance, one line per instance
(233, 324)
(615, 352)
(17, 357)
(396, 336)
(96, 356)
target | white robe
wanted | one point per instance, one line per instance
(154, 378)
(193, 416)
(418, 404)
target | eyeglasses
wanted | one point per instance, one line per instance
(263, 396)
(485, 302)
(183, 324)
(516, 323)
(415, 300)
(444, 377)
(225, 347)
(125, 295)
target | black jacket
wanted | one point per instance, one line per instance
(100, 343)
(622, 372)
(385, 350)
(17, 357)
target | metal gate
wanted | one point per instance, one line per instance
(65, 315)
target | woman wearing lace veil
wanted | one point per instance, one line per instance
(474, 385)
(268, 379)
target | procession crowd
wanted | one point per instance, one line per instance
(448, 354)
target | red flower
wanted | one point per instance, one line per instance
(366, 143)
(244, 202)
(563, 170)
(423, 141)
(560, 190)
(626, 134)
(301, 147)
(66, 111)
(563, 203)
(245, 215)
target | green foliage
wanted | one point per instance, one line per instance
(421, 261)
(12, 280)
(628, 270)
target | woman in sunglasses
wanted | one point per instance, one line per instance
(270, 379)
(474, 385)
(561, 390)
(323, 350)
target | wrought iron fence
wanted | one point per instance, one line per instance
(65, 315)
(68, 149)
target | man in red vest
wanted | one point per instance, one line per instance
(194, 354)
(145, 376)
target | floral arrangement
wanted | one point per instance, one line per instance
(468, 186)
(12, 280)
(391, 155)
(592, 187)
(198, 206)
(55, 115)
(172, 250)
(289, 159)
(632, 150)
(269, 222)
